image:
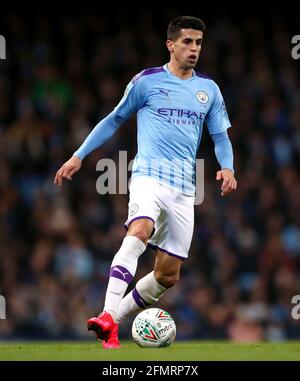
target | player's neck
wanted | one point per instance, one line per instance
(179, 71)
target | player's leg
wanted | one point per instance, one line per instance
(167, 269)
(142, 213)
(122, 271)
(124, 264)
(173, 235)
(153, 286)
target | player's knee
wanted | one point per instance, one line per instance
(141, 228)
(140, 234)
(166, 280)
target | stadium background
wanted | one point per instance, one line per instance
(67, 68)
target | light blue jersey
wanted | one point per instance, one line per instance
(170, 117)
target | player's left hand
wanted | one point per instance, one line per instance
(229, 182)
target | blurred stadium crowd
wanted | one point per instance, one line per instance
(61, 76)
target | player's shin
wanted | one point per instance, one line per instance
(146, 292)
(122, 271)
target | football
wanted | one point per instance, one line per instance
(153, 328)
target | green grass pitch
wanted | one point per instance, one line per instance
(179, 351)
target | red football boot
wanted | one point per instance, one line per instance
(105, 329)
(113, 340)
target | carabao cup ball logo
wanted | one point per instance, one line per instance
(202, 97)
(153, 328)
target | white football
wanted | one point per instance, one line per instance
(153, 328)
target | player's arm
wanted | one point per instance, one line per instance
(218, 122)
(224, 155)
(131, 102)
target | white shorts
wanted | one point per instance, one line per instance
(171, 211)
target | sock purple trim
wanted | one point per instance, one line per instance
(138, 299)
(122, 273)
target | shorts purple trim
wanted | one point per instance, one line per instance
(126, 225)
(154, 247)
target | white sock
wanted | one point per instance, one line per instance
(146, 292)
(122, 271)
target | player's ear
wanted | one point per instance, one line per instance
(170, 45)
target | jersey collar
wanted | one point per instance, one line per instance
(165, 67)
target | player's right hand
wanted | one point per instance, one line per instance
(67, 170)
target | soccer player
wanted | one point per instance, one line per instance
(172, 102)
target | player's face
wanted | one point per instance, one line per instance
(187, 47)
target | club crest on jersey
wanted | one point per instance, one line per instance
(133, 209)
(202, 97)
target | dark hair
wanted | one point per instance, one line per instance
(183, 22)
